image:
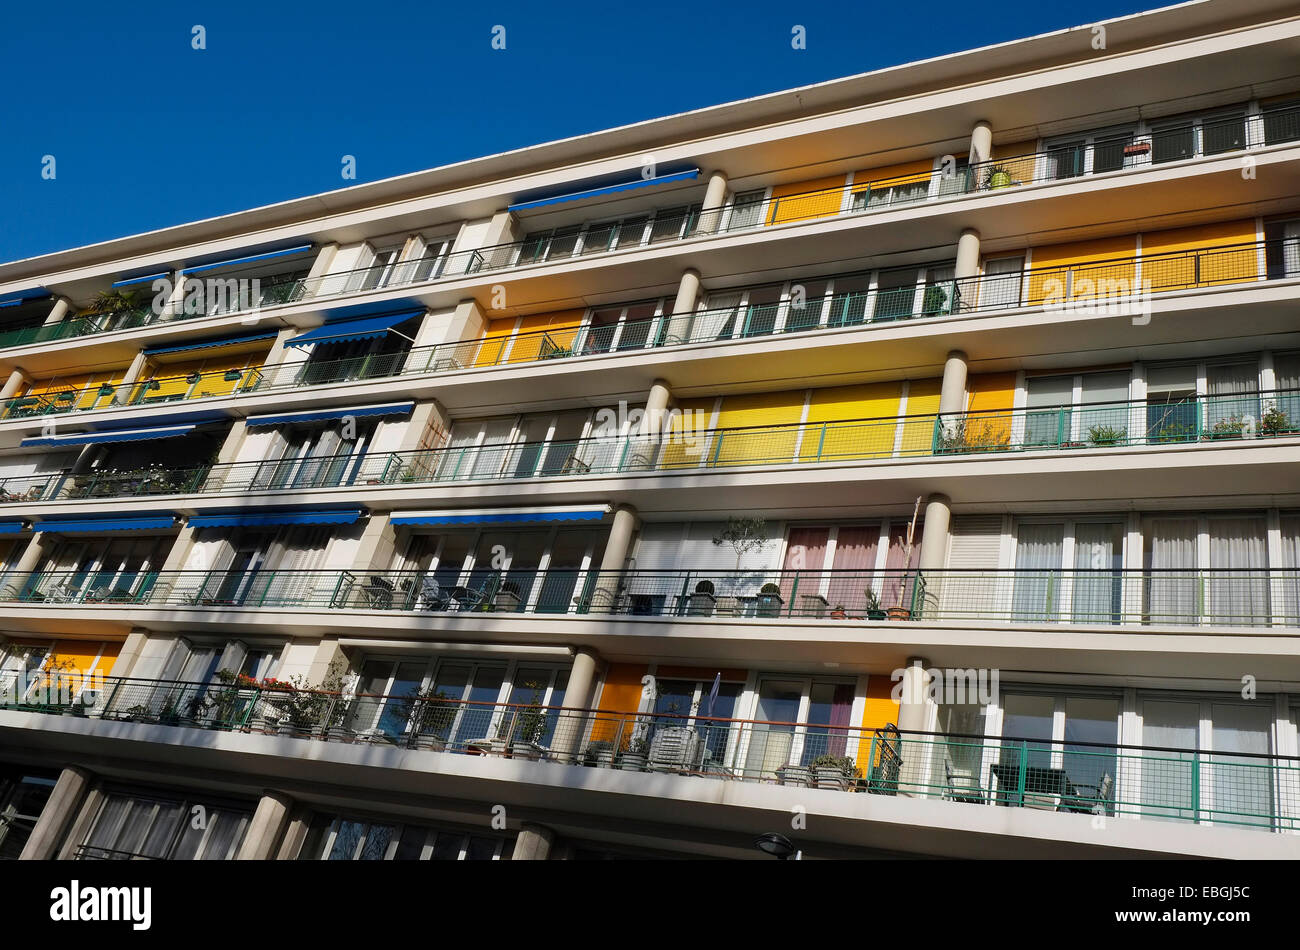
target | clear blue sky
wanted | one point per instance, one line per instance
(148, 132)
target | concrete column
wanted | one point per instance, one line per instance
(174, 308)
(233, 443)
(683, 315)
(60, 310)
(913, 717)
(79, 830)
(952, 392)
(270, 820)
(645, 441)
(132, 647)
(16, 381)
(605, 595)
(133, 373)
(577, 700)
(295, 834)
(934, 533)
(533, 844)
(282, 362)
(715, 196)
(981, 143)
(504, 229)
(378, 542)
(324, 259)
(465, 325)
(58, 814)
(966, 271)
(37, 548)
(329, 656)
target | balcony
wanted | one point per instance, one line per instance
(1219, 420)
(1115, 154)
(1152, 597)
(1245, 790)
(146, 392)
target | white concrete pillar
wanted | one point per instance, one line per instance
(58, 814)
(715, 196)
(132, 376)
(504, 229)
(32, 557)
(62, 306)
(282, 362)
(967, 268)
(135, 643)
(683, 315)
(321, 266)
(645, 441)
(233, 443)
(16, 381)
(934, 533)
(446, 342)
(913, 718)
(377, 544)
(981, 143)
(952, 392)
(604, 596)
(577, 700)
(262, 839)
(426, 415)
(533, 844)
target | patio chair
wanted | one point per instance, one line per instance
(883, 779)
(378, 592)
(960, 785)
(1095, 798)
(432, 596)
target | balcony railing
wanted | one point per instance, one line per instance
(1253, 791)
(142, 393)
(1221, 420)
(273, 290)
(1233, 597)
(1120, 285)
(1115, 154)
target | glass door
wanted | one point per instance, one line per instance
(1036, 589)
(771, 739)
(1097, 588)
(1171, 582)
(1047, 410)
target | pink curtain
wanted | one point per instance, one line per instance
(898, 567)
(855, 559)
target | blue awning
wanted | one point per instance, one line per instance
(245, 519)
(111, 435)
(594, 188)
(23, 296)
(11, 527)
(208, 344)
(107, 523)
(247, 259)
(148, 278)
(360, 329)
(502, 516)
(318, 415)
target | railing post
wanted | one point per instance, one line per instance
(1021, 771)
(821, 441)
(684, 602)
(1196, 787)
(794, 592)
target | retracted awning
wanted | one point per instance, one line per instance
(107, 523)
(318, 415)
(12, 527)
(111, 435)
(20, 297)
(595, 187)
(360, 328)
(146, 279)
(247, 259)
(245, 519)
(503, 516)
(208, 344)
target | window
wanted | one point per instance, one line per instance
(1069, 570)
(314, 456)
(23, 795)
(551, 244)
(132, 826)
(338, 838)
(1171, 403)
(1282, 249)
(378, 272)
(746, 210)
(1282, 122)
(798, 720)
(1000, 286)
(884, 195)
(608, 235)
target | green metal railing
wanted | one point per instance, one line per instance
(1235, 789)
(1222, 420)
(54, 400)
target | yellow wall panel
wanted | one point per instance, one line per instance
(620, 694)
(494, 341)
(766, 445)
(173, 382)
(803, 200)
(922, 408)
(86, 656)
(1106, 259)
(990, 399)
(878, 711)
(905, 172)
(687, 443)
(877, 403)
(560, 328)
(1182, 270)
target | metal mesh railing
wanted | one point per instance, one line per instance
(54, 399)
(1240, 597)
(1248, 790)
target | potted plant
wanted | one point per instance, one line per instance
(702, 602)
(769, 601)
(999, 177)
(838, 612)
(507, 597)
(1107, 435)
(599, 755)
(1137, 148)
(833, 771)
(874, 610)
(634, 757)
(1275, 421)
(1230, 428)
(795, 776)
(935, 300)
(899, 612)
(194, 378)
(233, 375)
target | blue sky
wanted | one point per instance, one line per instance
(146, 131)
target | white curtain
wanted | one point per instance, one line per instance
(1036, 592)
(1234, 396)
(1289, 578)
(1241, 788)
(1098, 552)
(1171, 581)
(1286, 373)
(1001, 284)
(1047, 412)
(1168, 786)
(1235, 594)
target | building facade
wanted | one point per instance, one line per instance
(907, 464)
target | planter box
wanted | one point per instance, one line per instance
(700, 605)
(795, 776)
(632, 761)
(1137, 148)
(900, 613)
(769, 605)
(881, 615)
(830, 778)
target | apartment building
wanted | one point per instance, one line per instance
(917, 453)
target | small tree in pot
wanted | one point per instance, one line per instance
(769, 601)
(795, 776)
(634, 758)
(702, 602)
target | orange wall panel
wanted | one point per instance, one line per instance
(1181, 269)
(879, 709)
(621, 693)
(804, 200)
(906, 172)
(991, 396)
(1106, 259)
